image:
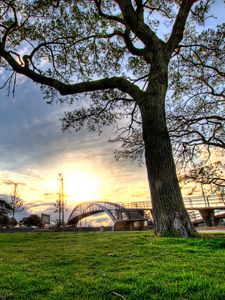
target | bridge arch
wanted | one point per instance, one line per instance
(114, 210)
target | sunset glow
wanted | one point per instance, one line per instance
(80, 186)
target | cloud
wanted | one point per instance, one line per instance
(34, 150)
(31, 133)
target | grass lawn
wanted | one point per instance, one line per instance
(110, 265)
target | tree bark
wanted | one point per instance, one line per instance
(169, 213)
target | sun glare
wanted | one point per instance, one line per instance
(79, 186)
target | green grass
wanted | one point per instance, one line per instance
(111, 265)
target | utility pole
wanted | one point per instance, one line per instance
(61, 201)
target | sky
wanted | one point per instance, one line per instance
(34, 150)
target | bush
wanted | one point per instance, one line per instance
(32, 220)
(4, 220)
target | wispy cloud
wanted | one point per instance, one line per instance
(34, 150)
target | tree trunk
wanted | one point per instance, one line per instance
(169, 213)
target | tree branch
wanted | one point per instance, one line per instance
(68, 89)
(135, 22)
(179, 25)
(108, 17)
(129, 44)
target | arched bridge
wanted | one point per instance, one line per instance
(122, 218)
(130, 216)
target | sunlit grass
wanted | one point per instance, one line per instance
(110, 265)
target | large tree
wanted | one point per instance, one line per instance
(112, 53)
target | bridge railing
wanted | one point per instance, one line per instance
(195, 215)
(204, 202)
(139, 204)
(189, 202)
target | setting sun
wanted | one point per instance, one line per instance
(80, 186)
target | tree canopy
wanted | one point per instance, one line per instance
(77, 32)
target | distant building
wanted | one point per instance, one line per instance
(45, 219)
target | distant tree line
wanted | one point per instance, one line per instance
(5, 221)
